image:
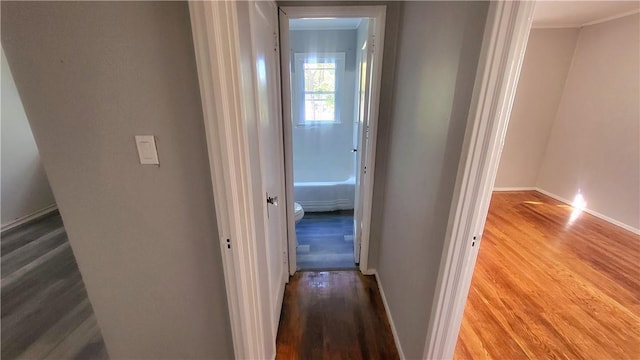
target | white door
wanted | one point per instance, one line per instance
(360, 129)
(264, 34)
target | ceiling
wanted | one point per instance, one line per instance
(550, 13)
(325, 24)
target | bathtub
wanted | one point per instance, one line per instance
(325, 196)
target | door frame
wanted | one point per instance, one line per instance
(223, 53)
(378, 14)
(501, 56)
(216, 28)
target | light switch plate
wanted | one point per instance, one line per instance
(147, 151)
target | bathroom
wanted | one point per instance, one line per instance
(328, 57)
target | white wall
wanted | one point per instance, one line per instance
(437, 55)
(542, 79)
(25, 189)
(91, 76)
(594, 146)
(323, 152)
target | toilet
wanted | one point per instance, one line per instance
(299, 212)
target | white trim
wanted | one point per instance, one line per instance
(287, 134)
(502, 53)
(26, 218)
(569, 202)
(591, 212)
(299, 59)
(525, 188)
(379, 20)
(378, 14)
(216, 37)
(612, 17)
(559, 26)
(593, 22)
(396, 339)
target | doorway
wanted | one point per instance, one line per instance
(46, 312)
(331, 79)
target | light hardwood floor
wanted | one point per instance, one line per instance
(548, 287)
(45, 310)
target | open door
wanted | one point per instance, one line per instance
(266, 62)
(360, 131)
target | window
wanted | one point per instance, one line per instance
(318, 79)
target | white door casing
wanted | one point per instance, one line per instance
(501, 56)
(361, 131)
(228, 71)
(376, 15)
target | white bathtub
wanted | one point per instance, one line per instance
(325, 196)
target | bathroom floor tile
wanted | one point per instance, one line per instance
(325, 241)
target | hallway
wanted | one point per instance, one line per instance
(334, 314)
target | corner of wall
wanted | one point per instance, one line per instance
(396, 339)
(555, 116)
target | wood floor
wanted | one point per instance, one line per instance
(548, 287)
(46, 313)
(334, 315)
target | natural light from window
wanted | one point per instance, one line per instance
(319, 91)
(579, 204)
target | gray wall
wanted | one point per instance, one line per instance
(594, 146)
(91, 76)
(438, 49)
(25, 189)
(542, 80)
(323, 152)
(575, 123)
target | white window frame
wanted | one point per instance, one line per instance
(299, 95)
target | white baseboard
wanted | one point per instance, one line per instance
(369, 272)
(386, 309)
(515, 189)
(591, 212)
(25, 219)
(569, 202)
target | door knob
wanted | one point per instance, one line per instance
(272, 200)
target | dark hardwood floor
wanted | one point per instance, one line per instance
(325, 241)
(334, 315)
(46, 313)
(546, 286)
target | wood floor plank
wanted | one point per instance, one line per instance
(21, 235)
(86, 333)
(45, 310)
(546, 286)
(31, 251)
(57, 333)
(334, 315)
